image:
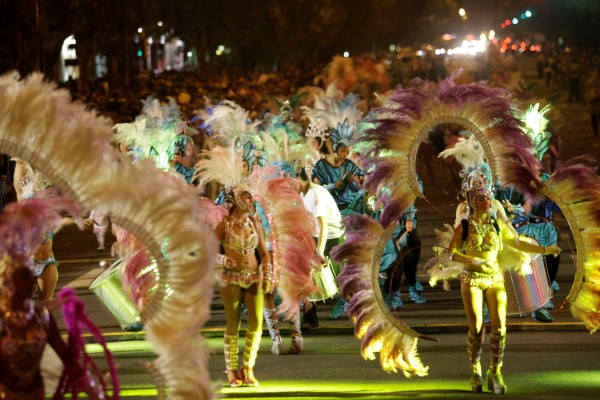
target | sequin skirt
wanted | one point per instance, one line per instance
(481, 280)
(243, 278)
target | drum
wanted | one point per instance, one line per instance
(527, 293)
(324, 280)
(108, 288)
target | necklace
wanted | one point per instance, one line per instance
(241, 223)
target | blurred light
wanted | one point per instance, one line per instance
(190, 54)
(420, 53)
(392, 47)
(159, 23)
(139, 53)
(346, 54)
(150, 40)
(179, 43)
(450, 52)
(103, 263)
(462, 12)
(507, 22)
(523, 16)
(220, 50)
(163, 39)
(140, 30)
(447, 37)
(561, 41)
(503, 25)
(515, 21)
(514, 47)
(528, 14)
(470, 36)
(492, 35)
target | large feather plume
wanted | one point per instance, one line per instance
(72, 147)
(379, 330)
(575, 188)
(292, 230)
(220, 164)
(409, 115)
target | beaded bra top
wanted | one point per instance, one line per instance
(483, 236)
(237, 243)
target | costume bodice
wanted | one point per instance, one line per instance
(483, 236)
(237, 243)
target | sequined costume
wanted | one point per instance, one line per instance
(18, 380)
(39, 266)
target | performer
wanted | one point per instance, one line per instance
(330, 231)
(476, 243)
(26, 327)
(244, 280)
(29, 184)
(99, 223)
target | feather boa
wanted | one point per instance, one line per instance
(379, 330)
(72, 147)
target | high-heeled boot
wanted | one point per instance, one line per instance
(474, 345)
(297, 339)
(494, 376)
(250, 351)
(271, 322)
(230, 348)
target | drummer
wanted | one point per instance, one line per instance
(476, 243)
(330, 228)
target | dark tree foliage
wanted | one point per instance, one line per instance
(258, 34)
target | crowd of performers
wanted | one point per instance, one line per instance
(307, 146)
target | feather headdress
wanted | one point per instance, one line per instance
(536, 125)
(228, 121)
(403, 122)
(154, 133)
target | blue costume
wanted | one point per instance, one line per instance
(328, 175)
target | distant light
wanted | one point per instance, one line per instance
(503, 25)
(462, 12)
(447, 37)
(528, 14)
(220, 50)
(159, 23)
(150, 40)
(190, 54)
(140, 30)
(515, 21)
(103, 263)
(139, 53)
(492, 34)
(163, 39)
(346, 54)
(420, 53)
(392, 47)
(561, 41)
(507, 22)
